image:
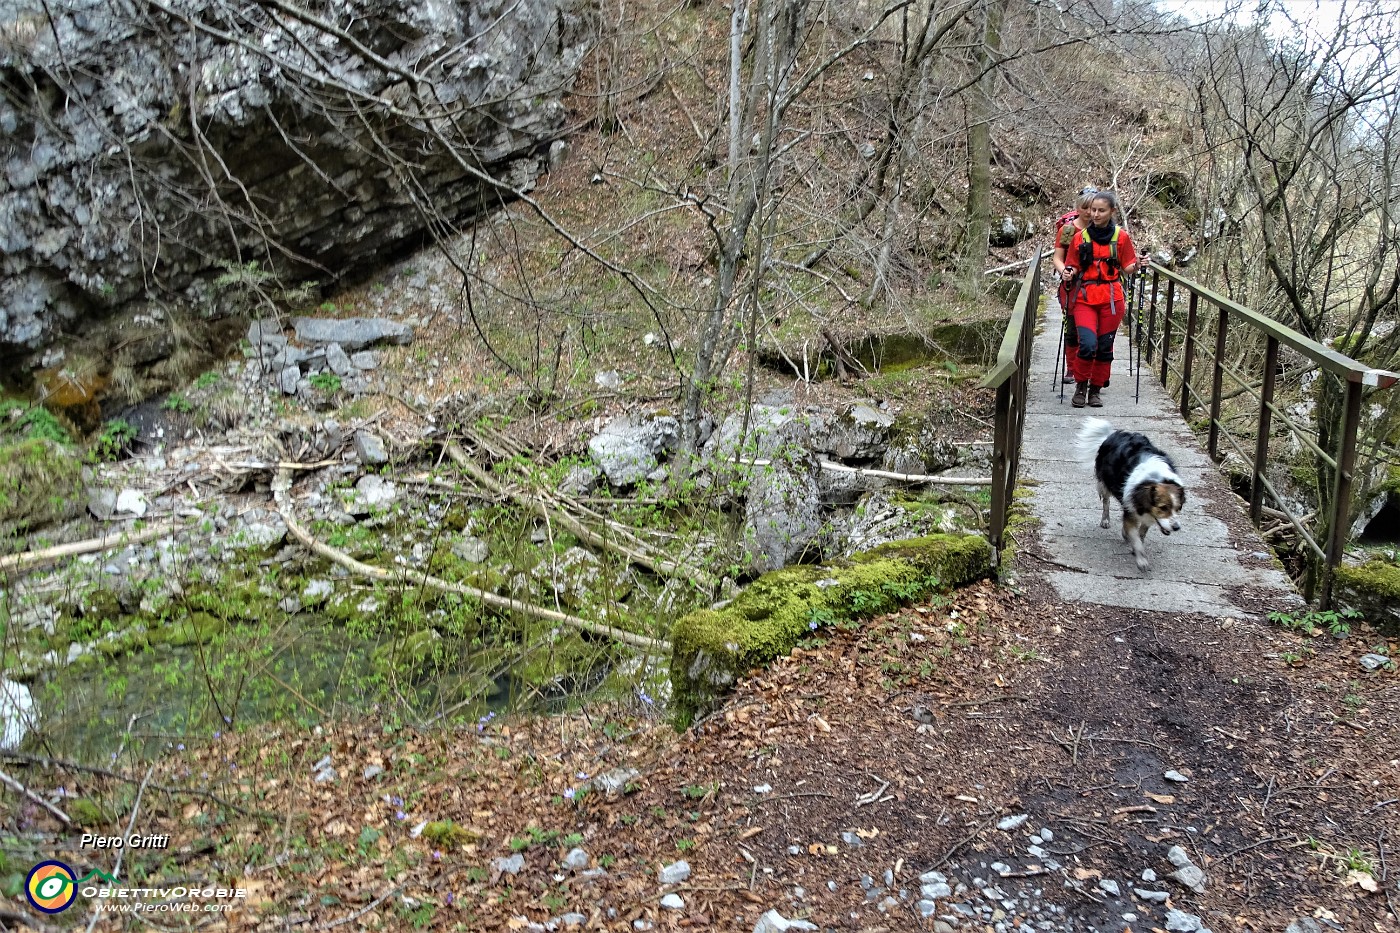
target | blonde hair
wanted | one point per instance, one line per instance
(1086, 197)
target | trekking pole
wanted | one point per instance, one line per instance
(1060, 350)
(1142, 285)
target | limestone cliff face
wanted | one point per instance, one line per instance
(148, 145)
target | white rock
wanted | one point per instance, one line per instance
(774, 922)
(673, 902)
(132, 502)
(1178, 857)
(17, 712)
(674, 873)
(1013, 822)
(1176, 777)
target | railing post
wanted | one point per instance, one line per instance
(1189, 354)
(1261, 443)
(1222, 324)
(1341, 498)
(1000, 480)
(1152, 314)
(1167, 332)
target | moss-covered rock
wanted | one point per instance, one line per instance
(40, 482)
(712, 648)
(1373, 589)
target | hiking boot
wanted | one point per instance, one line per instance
(1094, 400)
(1067, 377)
(1081, 395)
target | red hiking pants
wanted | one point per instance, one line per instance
(1097, 325)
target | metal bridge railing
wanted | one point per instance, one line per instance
(1011, 378)
(1159, 347)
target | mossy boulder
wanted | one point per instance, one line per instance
(40, 482)
(1373, 589)
(712, 648)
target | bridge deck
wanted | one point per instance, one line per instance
(1216, 565)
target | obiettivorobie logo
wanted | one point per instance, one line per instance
(52, 887)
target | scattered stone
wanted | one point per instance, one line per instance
(577, 860)
(132, 502)
(674, 873)
(287, 380)
(1178, 921)
(611, 783)
(471, 549)
(1178, 857)
(1304, 925)
(1156, 897)
(316, 592)
(1374, 662)
(370, 449)
(852, 840)
(510, 865)
(371, 772)
(609, 379)
(365, 359)
(351, 333)
(1149, 875)
(338, 361)
(375, 491)
(936, 889)
(573, 919)
(1046, 834)
(1013, 822)
(290, 605)
(266, 334)
(102, 503)
(1176, 777)
(1191, 876)
(673, 902)
(926, 908)
(763, 788)
(774, 922)
(1109, 887)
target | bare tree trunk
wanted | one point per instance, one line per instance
(981, 110)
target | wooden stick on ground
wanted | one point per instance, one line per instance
(19, 788)
(105, 543)
(653, 645)
(833, 467)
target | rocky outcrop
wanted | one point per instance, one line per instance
(148, 150)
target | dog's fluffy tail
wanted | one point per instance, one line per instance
(1091, 436)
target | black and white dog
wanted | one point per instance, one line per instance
(1131, 469)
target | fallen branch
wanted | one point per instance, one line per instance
(105, 543)
(19, 788)
(1017, 264)
(574, 526)
(832, 467)
(60, 764)
(653, 645)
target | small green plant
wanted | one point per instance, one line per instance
(1312, 622)
(572, 839)
(178, 403)
(1359, 860)
(112, 442)
(684, 845)
(476, 874)
(698, 791)
(325, 382)
(207, 380)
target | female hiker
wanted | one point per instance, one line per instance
(1066, 227)
(1097, 258)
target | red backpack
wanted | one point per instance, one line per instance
(1063, 219)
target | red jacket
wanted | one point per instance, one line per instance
(1099, 284)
